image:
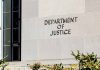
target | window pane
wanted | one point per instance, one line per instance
(15, 5)
(15, 20)
(6, 20)
(15, 35)
(7, 52)
(6, 5)
(7, 37)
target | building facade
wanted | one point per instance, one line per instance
(50, 29)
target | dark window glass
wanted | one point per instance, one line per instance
(6, 5)
(7, 29)
(15, 19)
(7, 52)
(16, 53)
(15, 5)
(11, 29)
(6, 20)
(15, 36)
(7, 36)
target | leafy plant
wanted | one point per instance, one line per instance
(35, 66)
(87, 61)
(3, 64)
(55, 67)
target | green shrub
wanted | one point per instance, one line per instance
(3, 64)
(55, 67)
(35, 66)
(87, 61)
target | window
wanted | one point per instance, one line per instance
(12, 29)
